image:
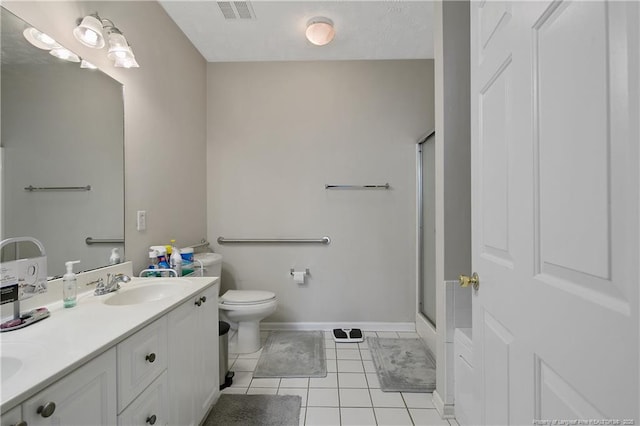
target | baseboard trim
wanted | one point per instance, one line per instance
(446, 411)
(327, 326)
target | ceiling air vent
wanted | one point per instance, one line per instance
(236, 10)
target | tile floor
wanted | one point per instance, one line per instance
(349, 395)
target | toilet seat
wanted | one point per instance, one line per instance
(246, 297)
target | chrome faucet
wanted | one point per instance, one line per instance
(113, 283)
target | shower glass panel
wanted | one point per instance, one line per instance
(427, 228)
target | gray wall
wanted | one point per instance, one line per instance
(277, 133)
(164, 104)
(453, 176)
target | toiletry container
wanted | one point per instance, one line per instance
(115, 256)
(176, 260)
(69, 286)
(187, 260)
(162, 259)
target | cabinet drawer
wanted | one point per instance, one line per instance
(150, 408)
(87, 396)
(141, 358)
(12, 417)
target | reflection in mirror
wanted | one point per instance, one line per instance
(61, 152)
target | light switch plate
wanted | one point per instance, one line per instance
(141, 220)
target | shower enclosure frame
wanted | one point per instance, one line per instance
(427, 312)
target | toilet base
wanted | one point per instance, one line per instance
(248, 337)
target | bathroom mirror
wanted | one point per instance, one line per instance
(61, 152)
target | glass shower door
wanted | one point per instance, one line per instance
(427, 228)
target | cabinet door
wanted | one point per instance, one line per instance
(86, 396)
(150, 408)
(207, 352)
(181, 369)
(12, 417)
(141, 358)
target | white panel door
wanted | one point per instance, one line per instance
(554, 105)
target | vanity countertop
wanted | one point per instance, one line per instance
(55, 346)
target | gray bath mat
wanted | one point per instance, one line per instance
(293, 354)
(255, 410)
(403, 365)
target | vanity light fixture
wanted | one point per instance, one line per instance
(91, 32)
(320, 31)
(45, 42)
(88, 65)
(40, 39)
(119, 50)
(64, 54)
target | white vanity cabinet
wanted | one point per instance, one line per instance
(166, 373)
(193, 358)
(13, 417)
(150, 408)
(142, 357)
(87, 396)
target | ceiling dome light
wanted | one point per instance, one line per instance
(64, 54)
(89, 32)
(39, 39)
(320, 31)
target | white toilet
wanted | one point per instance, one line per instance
(244, 309)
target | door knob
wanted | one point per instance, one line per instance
(474, 280)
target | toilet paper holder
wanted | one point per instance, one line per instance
(306, 271)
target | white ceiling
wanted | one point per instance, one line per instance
(364, 30)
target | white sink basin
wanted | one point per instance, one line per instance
(9, 366)
(150, 291)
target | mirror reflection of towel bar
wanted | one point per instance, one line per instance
(385, 186)
(91, 240)
(323, 240)
(32, 188)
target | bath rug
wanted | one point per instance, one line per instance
(255, 410)
(293, 354)
(403, 365)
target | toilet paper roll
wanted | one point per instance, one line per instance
(298, 277)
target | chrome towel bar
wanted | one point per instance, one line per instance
(32, 188)
(91, 240)
(385, 186)
(202, 243)
(323, 240)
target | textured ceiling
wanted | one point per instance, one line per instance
(364, 30)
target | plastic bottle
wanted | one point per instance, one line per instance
(187, 260)
(115, 256)
(153, 263)
(176, 260)
(162, 260)
(69, 286)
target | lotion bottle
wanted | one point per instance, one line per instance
(69, 286)
(176, 260)
(115, 256)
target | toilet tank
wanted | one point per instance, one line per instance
(212, 263)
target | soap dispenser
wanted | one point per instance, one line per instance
(69, 286)
(115, 256)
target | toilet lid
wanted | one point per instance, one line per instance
(244, 297)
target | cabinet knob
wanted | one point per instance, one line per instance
(151, 419)
(203, 298)
(151, 357)
(198, 302)
(47, 409)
